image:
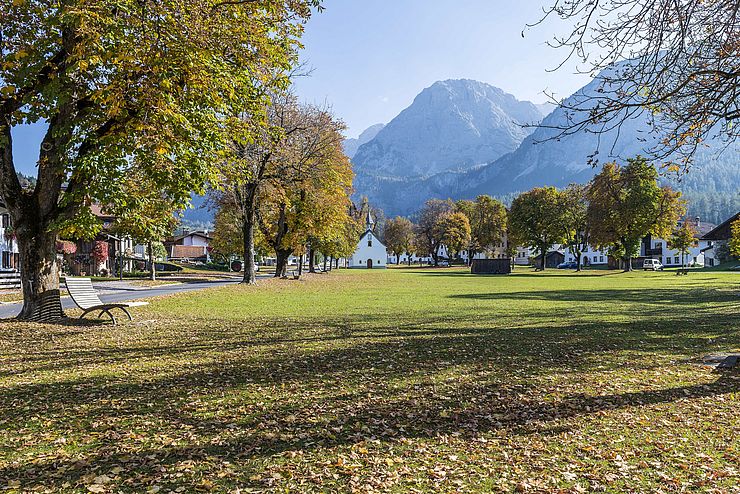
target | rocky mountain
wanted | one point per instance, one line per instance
(546, 108)
(544, 158)
(451, 125)
(353, 144)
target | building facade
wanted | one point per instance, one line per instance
(370, 252)
(189, 246)
(9, 257)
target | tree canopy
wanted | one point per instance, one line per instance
(126, 86)
(626, 204)
(398, 236)
(430, 232)
(487, 218)
(536, 219)
(734, 244)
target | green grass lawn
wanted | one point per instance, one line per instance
(398, 380)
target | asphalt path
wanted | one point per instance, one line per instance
(111, 292)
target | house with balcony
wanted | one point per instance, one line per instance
(116, 245)
(715, 242)
(658, 248)
(189, 246)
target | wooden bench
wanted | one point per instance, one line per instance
(84, 296)
(682, 271)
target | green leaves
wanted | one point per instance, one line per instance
(535, 219)
(626, 204)
(137, 97)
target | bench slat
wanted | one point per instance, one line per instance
(85, 297)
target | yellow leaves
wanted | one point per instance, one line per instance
(13, 484)
(7, 90)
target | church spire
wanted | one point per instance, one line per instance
(369, 221)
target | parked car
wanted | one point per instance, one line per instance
(568, 265)
(652, 265)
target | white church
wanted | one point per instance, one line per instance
(370, 252)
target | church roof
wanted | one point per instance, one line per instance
(369, 230)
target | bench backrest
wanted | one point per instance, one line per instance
(82, 292)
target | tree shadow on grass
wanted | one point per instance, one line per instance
(519, 273)
(324, 383)
(438, 338)
(661, 296)
(468, 411)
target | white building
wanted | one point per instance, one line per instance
(370, 252)
(9, 260)
(657, 248)
(590, 256)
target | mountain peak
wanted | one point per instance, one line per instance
(353, 144)
(451, 125)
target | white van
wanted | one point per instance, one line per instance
(652, 265)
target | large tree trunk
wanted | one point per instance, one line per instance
(324, 263)
(248, 222)
(39, 273)
(300, 265)
(543, 264)
(311, 260)
(281, 263)
(628, 264)
(578, 260)
(152, 266)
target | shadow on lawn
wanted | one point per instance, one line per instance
(531, 339)
(687, 297)
(332, 388)
(350, 419)
(519, 273)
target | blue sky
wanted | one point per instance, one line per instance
(370, 58)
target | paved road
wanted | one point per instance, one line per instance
(114, 291)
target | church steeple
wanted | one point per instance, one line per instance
(369, 221)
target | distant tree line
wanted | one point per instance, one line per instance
(619, 207)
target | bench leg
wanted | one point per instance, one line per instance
(127, 313)
(112, 317)
(84, 313)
